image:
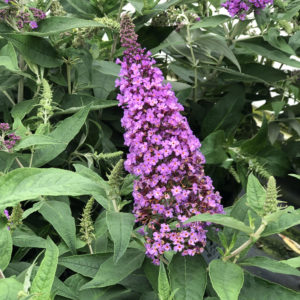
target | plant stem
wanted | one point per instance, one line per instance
(69, 79)
(9, 98)
(1, 275)
(115, 36)
(31, 157)
(21, 81)
(90, 248)
(19, 163)
(190, 44)
(253, 238)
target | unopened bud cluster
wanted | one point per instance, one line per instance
(45, 110)
(175, 16)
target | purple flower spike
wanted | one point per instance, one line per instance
(164, 153)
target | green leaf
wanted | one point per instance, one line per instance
(270, 265)
(256, 194)
(293, 262)
(258, 142)
(212, 148)
(151, 271)
(120, 227)
(127, 186)
(43, 280)
(258, 46)
(274, 39)
(215, 43)
(64, 132)
(226, 113)
(84, 8)
(222, 220)
(36, 49)
(258, 288)
(20, 110)
(61, 289)
(101, 195)
(9, 288)
(86, 265)
(110, 273)
(24, 237)
(212, 21)
(35, 140)
(59, 215)
(188, 275)
(6, 161)
(295, 175)
(103, 83)
(5, 244)
(294, 40)
(58, 24)
(227, 279)
(108, 68)
(138, 5)
(284, 222)
(30, 183)
(8, 57)
(163, 283)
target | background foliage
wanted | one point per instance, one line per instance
(69, 199)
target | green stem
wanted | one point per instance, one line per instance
(21, 81)
(253, 238)
(9, 98)
(31, 157)
(69, 79)
(190, 44)
(115, 36)
(19, 163)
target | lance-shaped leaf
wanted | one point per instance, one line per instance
(5, 244)
(120, 228)
(222, 220)
(30, 183)
(64, 132)
(59, 215)
(43, 280)
(227, 279)
(256, 194)
(270, 265)
(188, 276)
(111, 273)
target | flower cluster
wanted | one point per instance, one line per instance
(7, 140)
(164, 153)
(241, 8)
(22, 16)
(30, 17)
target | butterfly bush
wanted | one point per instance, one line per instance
(241, 8)
(164, 153)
